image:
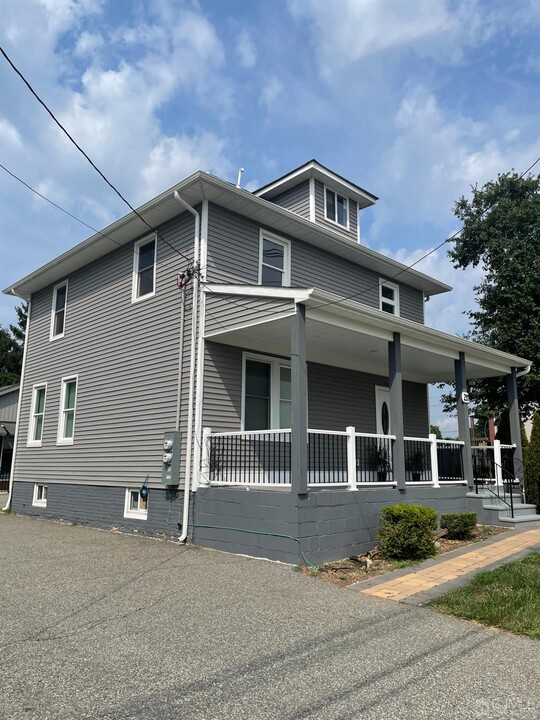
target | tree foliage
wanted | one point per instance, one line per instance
(436, 430)
(11, 348)
(501, 232)
(532, 465)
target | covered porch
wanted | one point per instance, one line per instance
(313, 326)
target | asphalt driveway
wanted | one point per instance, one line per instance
(100, 625)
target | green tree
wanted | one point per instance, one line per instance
(532, 465)
(501, 232)
(436, 430)
(12, 347)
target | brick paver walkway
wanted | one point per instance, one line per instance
(436, 577)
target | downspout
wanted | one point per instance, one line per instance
(194, 306)
(526, 370)
(197, 450)
(18, 419)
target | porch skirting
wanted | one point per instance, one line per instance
(330, 524)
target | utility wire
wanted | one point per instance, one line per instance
(79, 148)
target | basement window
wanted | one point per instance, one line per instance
(40, 495)
(135, 506)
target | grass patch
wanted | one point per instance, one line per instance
(506, 598)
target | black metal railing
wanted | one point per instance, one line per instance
(4, 481)
(450, 462)
(327, 458)
(374, 460)
(497, 479)
(483, 462)
(417, 461)
(260, 458)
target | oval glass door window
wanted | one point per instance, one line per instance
(385, 418)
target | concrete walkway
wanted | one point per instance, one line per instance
(437, 576)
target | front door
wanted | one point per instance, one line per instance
(382, 403)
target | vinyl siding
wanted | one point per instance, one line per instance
(336, 397)
(233, 257)
(8, 406)
(352, 232)
(126, 357)
(224, 312)
(295, 199)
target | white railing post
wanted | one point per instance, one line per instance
(351, 457)
(434, 460)
(205, 456)
(498, 462)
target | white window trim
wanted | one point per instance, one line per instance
(275, 364)
(395, 302)
(143, 241)
(52, 336)
(128, 512)
(335, 222)
(30, 442)
(64, 381)
(35, 501)
(263, 234)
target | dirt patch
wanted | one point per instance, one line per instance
(356, 569)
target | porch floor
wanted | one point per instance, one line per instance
(435, 577)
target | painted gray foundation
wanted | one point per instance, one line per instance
(330, 524)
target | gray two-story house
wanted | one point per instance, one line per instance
(248, 349)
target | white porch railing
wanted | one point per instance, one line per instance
(335, 459)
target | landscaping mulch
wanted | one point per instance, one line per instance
(351, 570)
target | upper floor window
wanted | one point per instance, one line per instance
(389, 297)
(37, 417)
(144, 269)
(267, 393)
(274, 261)
(336, 208)
(58, 318)
(68, 402)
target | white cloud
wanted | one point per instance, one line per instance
(88, 43)
(271, 92)
(246, 50)
(9, 133)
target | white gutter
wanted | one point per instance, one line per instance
(189, 437)
(19, 405)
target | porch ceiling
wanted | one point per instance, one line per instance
(356, 337)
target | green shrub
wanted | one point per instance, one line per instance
(532, 465)
(406, 532)
(460, 526)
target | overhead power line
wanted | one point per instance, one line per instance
(79, 148)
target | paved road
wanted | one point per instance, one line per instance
(107, 626)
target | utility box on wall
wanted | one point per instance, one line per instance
(170, 472)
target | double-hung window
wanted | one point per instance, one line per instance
(68, 402)
(37, 417)
(58, 315)
(336, 208)
(274, 261)
(267, 393)
(389, 297)
(144, 269)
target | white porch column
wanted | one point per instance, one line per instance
(434, 460)
(396, 410)
(351, 457)
(463, 419)
(299, 436)
(497, 456)
(515, 429)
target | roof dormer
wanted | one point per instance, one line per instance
(322, 196)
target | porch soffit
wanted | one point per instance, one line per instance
(355, 336)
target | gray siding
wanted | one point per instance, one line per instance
(296, 199)
(126, 357)
(336, 397)
(233, 257)
(223, 312)
(8, 406)
(352, 232)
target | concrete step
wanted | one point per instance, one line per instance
(485, 495)
(520, 509)
(523, 522)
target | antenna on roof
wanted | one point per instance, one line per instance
(239, 181)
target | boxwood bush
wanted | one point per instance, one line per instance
(460, 526)
(407, 532)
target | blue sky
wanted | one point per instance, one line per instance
(414, 100)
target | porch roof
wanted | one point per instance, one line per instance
(346, 333)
